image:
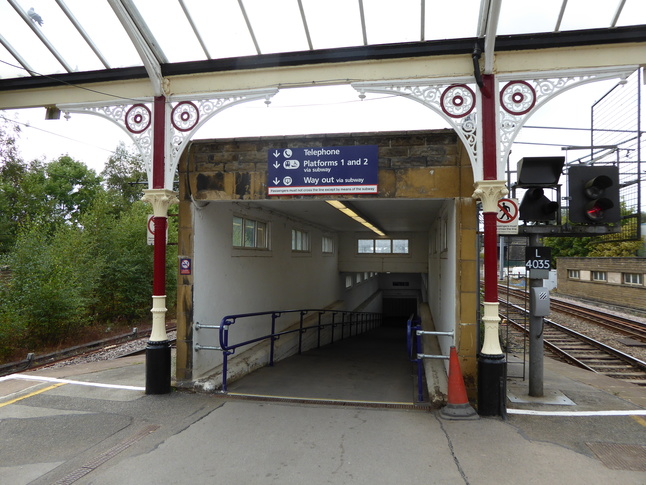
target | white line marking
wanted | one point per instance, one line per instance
(627, 412)
(68, 381)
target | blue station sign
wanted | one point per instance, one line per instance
(323, 170)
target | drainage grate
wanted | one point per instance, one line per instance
(330, 402)
(617, 456)
(103, 457)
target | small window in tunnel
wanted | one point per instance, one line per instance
(300, 240)
(248, 233)
(366, 246)
(328, 245)
(400, 246)
(383, 246)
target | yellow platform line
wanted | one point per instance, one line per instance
(40, 391)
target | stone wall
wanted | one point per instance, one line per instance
(237, 168)
(613, 290)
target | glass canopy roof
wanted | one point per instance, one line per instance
(45, 37)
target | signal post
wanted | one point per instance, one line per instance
(593, 194)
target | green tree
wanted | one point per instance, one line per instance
(125, 174)
(9, 133)
(53, 282)
(125, 283)
(621, 249)
(72, 186)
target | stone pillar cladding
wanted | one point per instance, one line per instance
(430, 164)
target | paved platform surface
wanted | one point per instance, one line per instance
(93, 424)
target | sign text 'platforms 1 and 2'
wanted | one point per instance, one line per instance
(325, 170)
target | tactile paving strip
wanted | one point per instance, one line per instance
(617, 456)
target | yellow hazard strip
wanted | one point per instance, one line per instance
(40, 391)
(640, 420)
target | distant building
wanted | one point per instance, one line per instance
(615, 281)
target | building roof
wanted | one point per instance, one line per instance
(115, 39)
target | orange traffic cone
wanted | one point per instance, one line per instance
(458, 406)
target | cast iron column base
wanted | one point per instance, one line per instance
(158, 367)
(492, 385)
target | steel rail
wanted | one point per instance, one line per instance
(595, 345)
(33, 361)
(613, 322)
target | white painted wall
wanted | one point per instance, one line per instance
(414, 262)
(442, 269)
(229, 281)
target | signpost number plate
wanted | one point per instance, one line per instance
(323, 170)
(538, 261)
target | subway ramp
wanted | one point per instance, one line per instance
(371, 369)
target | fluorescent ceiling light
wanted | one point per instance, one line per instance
(353, 215)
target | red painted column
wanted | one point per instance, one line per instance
(490, 172)
(492, 365)
(158, 351)
(159, 141)
(160, 223)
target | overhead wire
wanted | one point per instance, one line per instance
(56, 134)
(62, 81)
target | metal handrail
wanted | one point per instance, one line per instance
(414, 335)
(364, 321)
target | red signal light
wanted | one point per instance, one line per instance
(595, 210)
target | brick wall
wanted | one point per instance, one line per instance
(612, 290)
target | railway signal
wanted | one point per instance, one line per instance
(535, 206)
(537, 174)
(594, 194)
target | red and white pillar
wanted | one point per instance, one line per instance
(492, 365)
(158, 350)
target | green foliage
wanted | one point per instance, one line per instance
(623, 249)
(125, 174)
(569, 246)
(52, 282)
(126, 276)
(73, 253)
(583, 247)
(72, 186)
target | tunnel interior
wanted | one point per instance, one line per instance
(397, 310)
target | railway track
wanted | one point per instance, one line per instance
(576, 348)
(624, 325)
(124, 345)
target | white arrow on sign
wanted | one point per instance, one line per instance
(276, 153)
(276, 181)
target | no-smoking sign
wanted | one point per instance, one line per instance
(507, 217)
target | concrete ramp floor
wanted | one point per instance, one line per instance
(369, 368)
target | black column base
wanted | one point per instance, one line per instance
(158, 367)
(492, 385)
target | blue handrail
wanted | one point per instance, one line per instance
(414, 346)
(361, 321)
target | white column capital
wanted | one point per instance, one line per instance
(490, 192)
(160, 199)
